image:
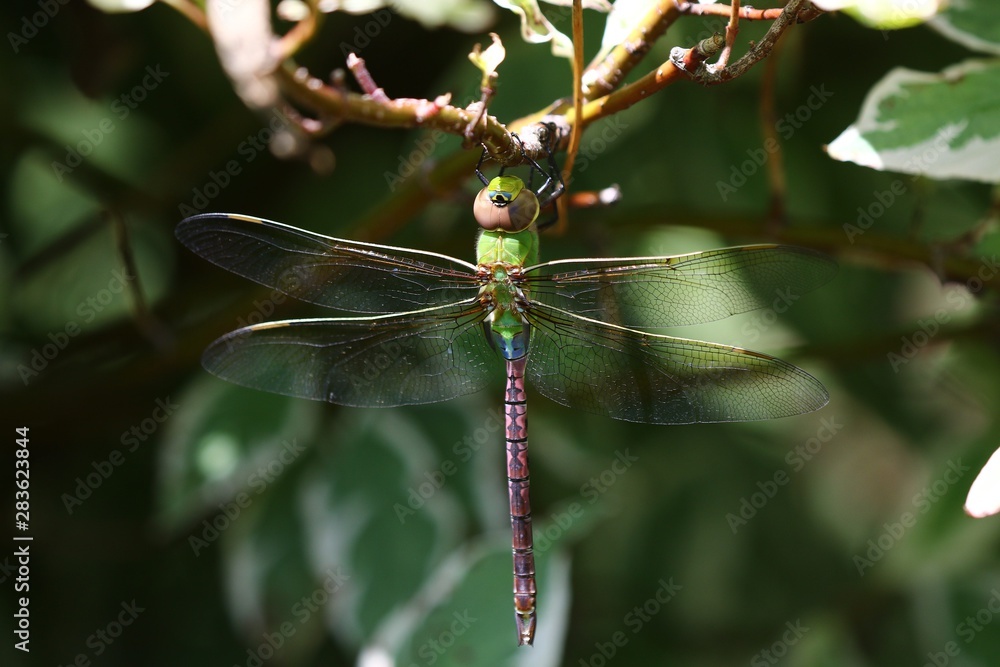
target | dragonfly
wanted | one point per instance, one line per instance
(429, 327)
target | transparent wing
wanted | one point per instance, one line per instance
(651, 292)
(643, 377)
(400, 359)
(341, 274)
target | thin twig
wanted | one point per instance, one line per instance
(732, 29)
(301, 33)
(769, 125)
(577, 129)
(364, 78)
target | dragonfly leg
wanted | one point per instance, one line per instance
(518, 482)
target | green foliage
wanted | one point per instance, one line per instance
(243, 520)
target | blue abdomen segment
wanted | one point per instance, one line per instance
(512, 342)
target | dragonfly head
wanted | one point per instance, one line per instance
(506, 205)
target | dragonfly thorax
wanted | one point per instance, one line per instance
(506, 326)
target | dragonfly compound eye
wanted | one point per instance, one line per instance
(505, 204)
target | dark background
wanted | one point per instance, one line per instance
(786, 580)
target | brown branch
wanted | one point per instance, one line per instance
(745, 13)
(760, 50)
(681, 61)
(603, 76)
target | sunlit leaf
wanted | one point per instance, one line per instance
(116, 6)
(465, 15)
(488, 61)
(536, 28)
(243, 37)
(623, 17)
(984, 495)
(885, 14)
(943, 125)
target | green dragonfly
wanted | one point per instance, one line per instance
(431, 328)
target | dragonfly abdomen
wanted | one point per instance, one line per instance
(518, 482)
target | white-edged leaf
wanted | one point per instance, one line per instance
(974, 24)
(984, 495)
(885, 14)
(942, 126)
(466, 606)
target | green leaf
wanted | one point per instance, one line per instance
(363, 513)
(943, 125)
(465, 616)
(972, 23)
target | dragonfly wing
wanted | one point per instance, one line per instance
(399, 359)
(651, 292)
(337, 273)
(650, 378)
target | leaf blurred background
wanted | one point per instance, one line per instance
(255, 529)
